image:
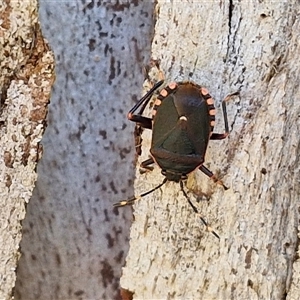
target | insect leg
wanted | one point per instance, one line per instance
(197, 212)
(211, 175)
(146, 164)
(142, 103)
(138, 197)
(221, 136)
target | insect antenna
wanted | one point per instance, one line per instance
(135, 198)
(197, 212)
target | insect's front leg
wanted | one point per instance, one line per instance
(212, 176)
(221, 136)
(137, 117)
(146, 165)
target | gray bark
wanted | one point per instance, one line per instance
(74, 243)
(26, 77)
(227, 46)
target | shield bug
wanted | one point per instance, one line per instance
(182, 123)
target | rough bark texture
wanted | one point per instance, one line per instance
(74, 243)
(26, 76)
(227, 46)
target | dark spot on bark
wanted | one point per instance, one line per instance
(57, 258)
(118, 68)
(119, 21)
(103, 133)
(79, 293)
(106, 217)
(119, 257)
(26, 151)
(233, 288)
(82, 128)
(8, 181)
(124, 152)
(113, 188)
(92, 44)
(250, 283)
(112, 70)
(104, 188)
(97, 179)
(103, 34)
(117, 231)
(263, 171)
(248, 259)
(89, 231)
(107, 49)
(115, 211)
(42, 199)
(110, 241)
(88, 6)
(107, 273)
(33, 257)
(120, 6)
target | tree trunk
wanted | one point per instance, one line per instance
(74, 243)
(26, 77)
(227, 46)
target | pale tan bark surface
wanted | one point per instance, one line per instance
(227, 46)
(74, 242)
(26, 77)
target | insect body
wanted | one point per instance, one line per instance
(182, 124)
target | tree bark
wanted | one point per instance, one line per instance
(227, 46)
(26, 77)
(74, 242)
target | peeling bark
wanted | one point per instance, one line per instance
(25, 81)
(227, 46)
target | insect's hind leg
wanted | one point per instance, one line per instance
(197, 212)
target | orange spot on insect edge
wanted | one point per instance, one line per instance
(173, 85)
(157, 102)
(212, 112)
(212, 123)
(164, 93)
(204, 91)
(210, 101)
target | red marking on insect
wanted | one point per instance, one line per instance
(164, 93)
(157, 102)
(212, 112)
(173, 85)
(210, 101)
(204, 91)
